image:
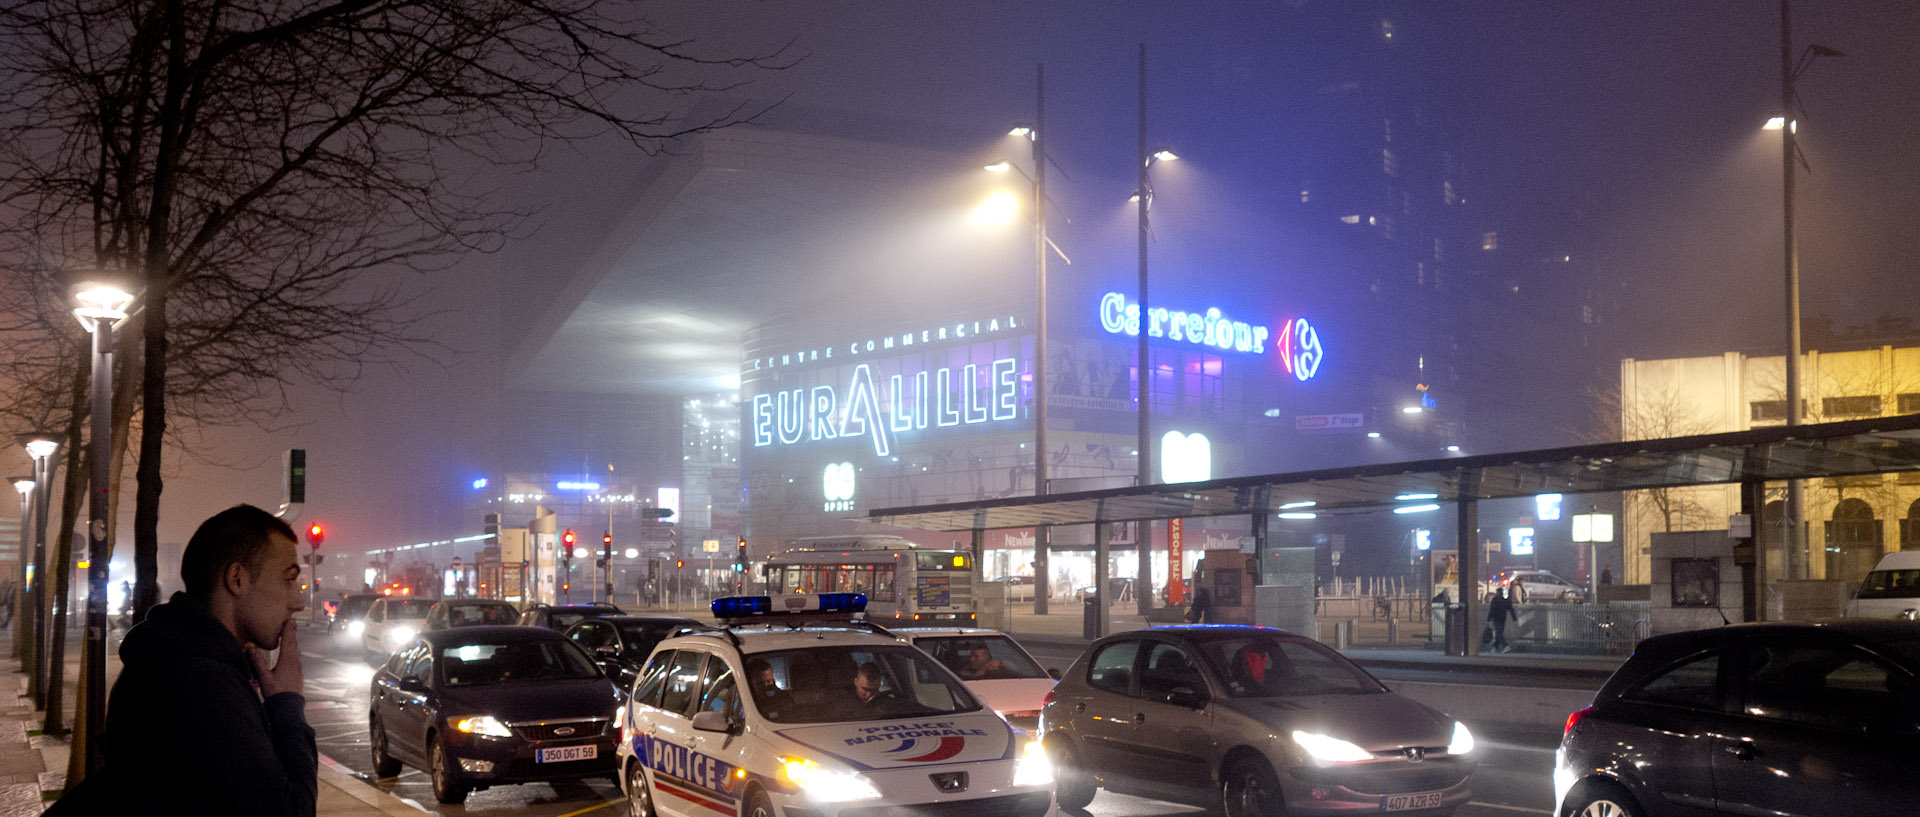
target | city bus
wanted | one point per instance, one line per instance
(903, 582)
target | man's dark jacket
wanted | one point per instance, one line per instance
(187, 732)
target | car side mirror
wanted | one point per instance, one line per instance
(412, 684)
(1187, 697)
(708, 720)
(607, 651)
(1054, 673)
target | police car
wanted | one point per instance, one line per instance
(797, 707)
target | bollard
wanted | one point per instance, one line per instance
(1340, 636)
(1393, 631)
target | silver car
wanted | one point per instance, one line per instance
(1254, 719)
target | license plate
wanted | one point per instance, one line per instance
(562, 754)
(1409, 802)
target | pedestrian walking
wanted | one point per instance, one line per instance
(202, 721)
(1499, 612)
(1200, 610)
(1606, 575)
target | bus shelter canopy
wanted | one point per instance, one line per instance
(1851, 448)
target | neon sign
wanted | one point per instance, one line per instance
(1298, 343)
(836, 484)
(956, 398)
(1208, 328)
(1300, 348)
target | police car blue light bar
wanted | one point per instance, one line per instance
(739, 607)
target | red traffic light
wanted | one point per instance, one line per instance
(680, 563)
(607, 540)
(316, 533)
(567, 539)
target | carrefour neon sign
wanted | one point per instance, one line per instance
(1298, 344)
(943, 397)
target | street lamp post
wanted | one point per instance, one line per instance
(100, 308)
(21, 645)
(40, 446)
(1795, 552)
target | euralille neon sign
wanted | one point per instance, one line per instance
(1298, 342)
(793, 416)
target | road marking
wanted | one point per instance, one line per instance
(1510, 808)
(1520, 747)
(601, 806)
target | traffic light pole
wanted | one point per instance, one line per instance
(606, 559)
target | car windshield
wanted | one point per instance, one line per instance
(641, 636)
(512, 662)
(408, 608)
(975, 657)
(846, 684)
(357, 606)
(464, 615)
(1269, 665)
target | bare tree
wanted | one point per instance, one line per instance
(262, 168)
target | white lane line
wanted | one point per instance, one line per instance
(1522, 809)
(1520, 747)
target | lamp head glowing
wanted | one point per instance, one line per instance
(1165, 155)
(22, 484)
(97, 300)
(1001, 166)
(40, 444)
(1021, 131)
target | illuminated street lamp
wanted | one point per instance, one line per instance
(100, 307)
(1788, 124)
(40, 446)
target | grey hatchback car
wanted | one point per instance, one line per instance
(1253, 719)
(1778, 719)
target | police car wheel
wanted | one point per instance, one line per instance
(639, 797)
(384, 763)
(446, 787)
(1073, 786)
(757, 805)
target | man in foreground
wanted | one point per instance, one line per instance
(200, 721)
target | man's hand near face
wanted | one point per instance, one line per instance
(284, 676)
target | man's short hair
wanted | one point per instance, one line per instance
(238, 534)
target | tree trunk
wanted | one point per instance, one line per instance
(153, 429)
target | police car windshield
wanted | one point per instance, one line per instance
(853, 683)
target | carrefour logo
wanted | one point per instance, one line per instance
(1300, 349)
(1297, 342)
(836, 484)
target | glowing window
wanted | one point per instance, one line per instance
(1489, 241)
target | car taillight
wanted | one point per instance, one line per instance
(1574, 719)
(1048, 699)
(620, 726)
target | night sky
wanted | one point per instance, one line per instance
(1625, 132)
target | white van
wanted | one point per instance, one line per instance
(1892, 590)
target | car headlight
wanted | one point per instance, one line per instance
(356, 627)
(1033, 768)
(1462, 742)
(824, 784)
(400, 634)
(1328, 749)
(487, 725)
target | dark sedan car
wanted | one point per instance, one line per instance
(483, 706)
(1777, 719)
(1256, 720)
(558, 617)
(624, 642)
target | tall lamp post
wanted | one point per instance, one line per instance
(1787, 122)
(1143, 373)
(21, 645)
(1041, 244)
(40, 446)
(99, 307)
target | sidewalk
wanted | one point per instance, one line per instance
(33, 767)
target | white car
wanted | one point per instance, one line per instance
(995, 667)
(392, 622)
(795, 708)
(1526, 585)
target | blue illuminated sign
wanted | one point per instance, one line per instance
(1207, 328)
(918, 400)
(578, 486)
(1298, 342)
